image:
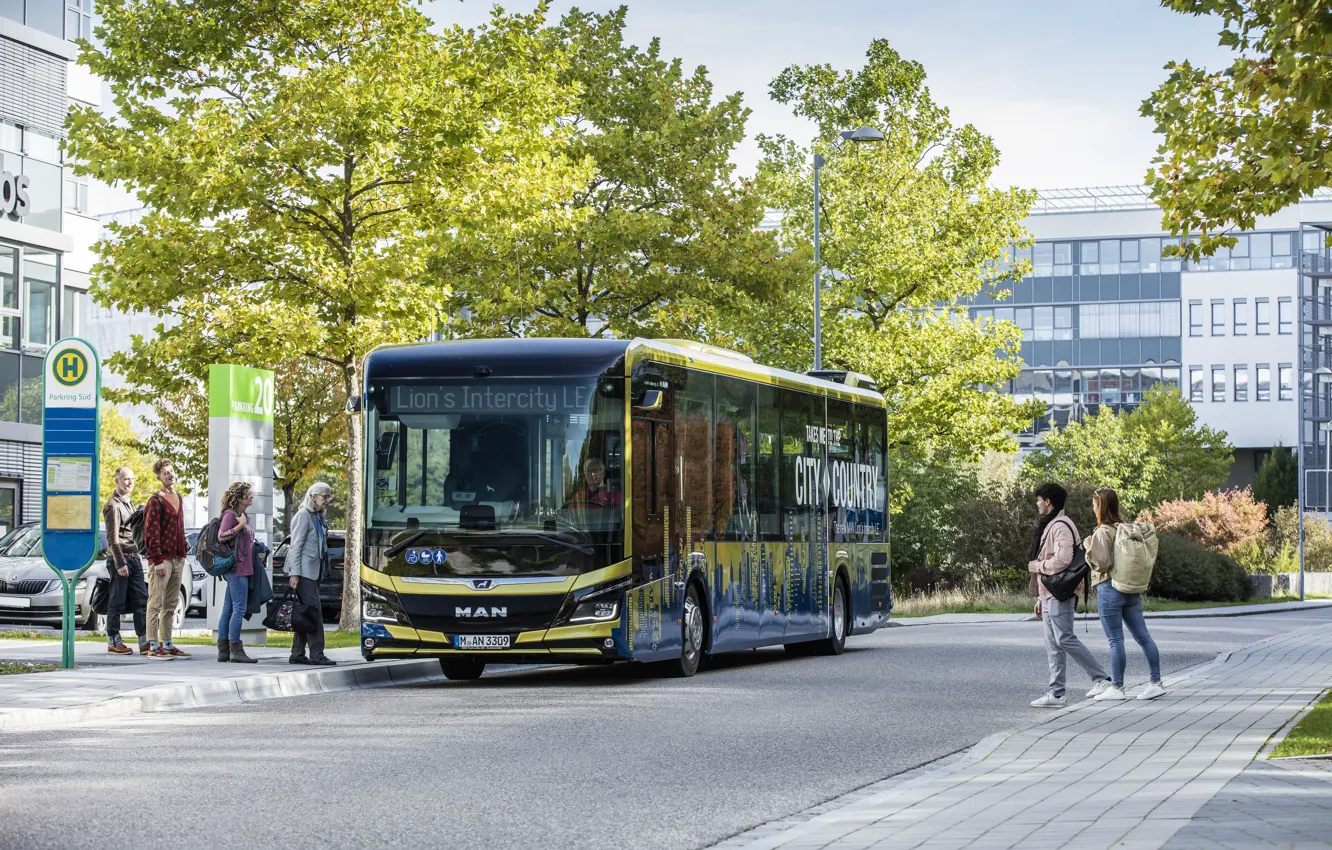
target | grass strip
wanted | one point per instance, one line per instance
(332, 640)
(8, 668)
(1312, 736)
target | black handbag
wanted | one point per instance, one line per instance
(280, 612)
(1064, 585)
(101, 595)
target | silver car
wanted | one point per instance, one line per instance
(30, 591)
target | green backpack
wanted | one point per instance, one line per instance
(1135, 556)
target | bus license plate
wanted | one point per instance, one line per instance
(481, 641)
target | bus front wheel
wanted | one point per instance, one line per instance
(841, 621)
(691, 633)
(462, 669)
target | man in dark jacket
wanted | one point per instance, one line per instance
(122, 561)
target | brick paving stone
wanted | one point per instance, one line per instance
(1177, 772)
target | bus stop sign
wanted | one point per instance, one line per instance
(72, 388)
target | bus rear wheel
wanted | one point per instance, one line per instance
(462, 669)
(841, 621)
(691, 633)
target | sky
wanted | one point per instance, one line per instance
(1056, 83)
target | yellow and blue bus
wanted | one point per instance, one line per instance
(593, 500)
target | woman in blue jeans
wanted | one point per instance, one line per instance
(1119, 591)
(236, 526)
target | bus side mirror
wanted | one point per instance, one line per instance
(652, 400)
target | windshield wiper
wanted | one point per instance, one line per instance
(582, 550)
(393, 550)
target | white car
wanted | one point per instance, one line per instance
(30, 592)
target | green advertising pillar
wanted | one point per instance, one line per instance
(240, 448)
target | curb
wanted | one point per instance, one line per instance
(1201, 613)
(234, 691)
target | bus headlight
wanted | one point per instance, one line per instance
(381, 606)
(596, 612)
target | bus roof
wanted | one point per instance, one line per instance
(564, 357)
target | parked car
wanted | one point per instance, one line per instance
(30, 593)
(198, 599)
(330, 589)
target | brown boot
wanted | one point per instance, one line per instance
(238, 655)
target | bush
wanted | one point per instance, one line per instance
(1278, 481)
(1221, 521)
(1285, 537)
(1192, 573)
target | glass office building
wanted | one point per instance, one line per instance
(1104, 318)
(46, 234)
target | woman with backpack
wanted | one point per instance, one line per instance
(1121, 556)
(236, 526)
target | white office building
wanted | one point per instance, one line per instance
(46, 233)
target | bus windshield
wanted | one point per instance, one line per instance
(488, 456)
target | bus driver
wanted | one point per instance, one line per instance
(594, 494)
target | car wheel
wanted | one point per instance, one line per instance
(462, 669)
(841, 614)
(93, 623)
(691, 637)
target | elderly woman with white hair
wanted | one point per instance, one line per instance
(307, 562)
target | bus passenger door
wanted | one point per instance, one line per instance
(652, 631)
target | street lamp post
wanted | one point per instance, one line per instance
(861, 136)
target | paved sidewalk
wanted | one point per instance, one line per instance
(1125, 775)
(106, 685)
(1192, 613)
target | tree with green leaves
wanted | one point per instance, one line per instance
(1278, 481)
(1195, 458)
(121, 447)
(659, 236)
(1249, 139)
(1100, 451)
(304, 161)
(1156, 453)
(910, 225)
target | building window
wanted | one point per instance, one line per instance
(1241, 309)
(39, 290)
(1195, 318)
(1218, 317)
(1195, 384)
(1262, 316)
(1218, 383)
(1285, 316)
(78, 19)
(1241, 382)
(1063, 323)
(37, 156)
(76, 192)
(76, 307)
(1264, 387)
(1286, 382)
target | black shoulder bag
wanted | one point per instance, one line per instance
(1063, 585)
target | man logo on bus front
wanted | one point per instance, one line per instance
(481, 583)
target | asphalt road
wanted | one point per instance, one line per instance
(553, 758)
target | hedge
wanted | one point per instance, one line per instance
(1192, 573)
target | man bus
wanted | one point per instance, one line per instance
(594, 500)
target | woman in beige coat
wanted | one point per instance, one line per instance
(1119, 592)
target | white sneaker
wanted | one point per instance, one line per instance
(1098, 688)
(1152, 691)
(1048, 701)
(1111, 694)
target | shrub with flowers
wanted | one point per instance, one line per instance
(1224, 521)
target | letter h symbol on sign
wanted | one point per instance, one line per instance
(69, 366)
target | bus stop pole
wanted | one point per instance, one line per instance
(67, 607)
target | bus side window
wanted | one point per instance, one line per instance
(768, 500)
(734, 471)
(841, 456)
(871, 445)
(800, 486)
(693, 449)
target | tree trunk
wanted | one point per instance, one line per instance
(288, 507)
(351, 571)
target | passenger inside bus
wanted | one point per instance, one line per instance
(594, 493)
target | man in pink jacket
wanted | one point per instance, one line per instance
(1051, 553)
